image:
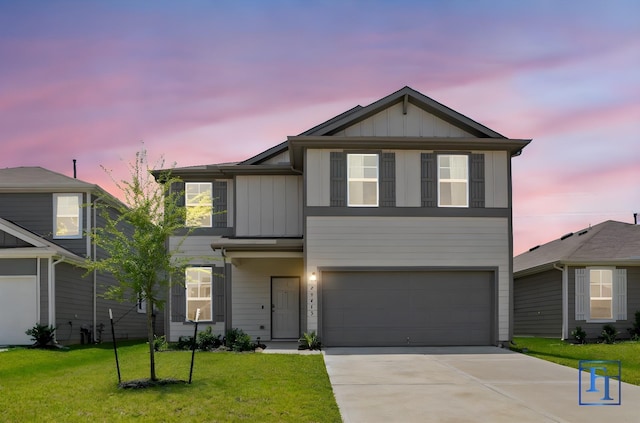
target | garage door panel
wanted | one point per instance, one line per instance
(406, 307)
(18, 308)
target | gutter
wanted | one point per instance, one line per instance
(565, 299)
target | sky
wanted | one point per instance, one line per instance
(201, 82)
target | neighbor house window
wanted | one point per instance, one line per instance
(453, 180)
(198, 200)
(198, 292)
(362, 187)
(601, 294)
(67, 222)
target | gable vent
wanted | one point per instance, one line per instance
(565, 236)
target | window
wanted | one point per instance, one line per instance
(198, 200)
(601, 294)
(142, 305)
(453, 180)
(198, 292)
(67, 222)
(362, 176)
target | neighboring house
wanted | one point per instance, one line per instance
(587, 278)
(389, 224)
(44, 218)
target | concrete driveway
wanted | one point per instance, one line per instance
(463, 384)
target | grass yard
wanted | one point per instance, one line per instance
(568, 354)
(80, 385)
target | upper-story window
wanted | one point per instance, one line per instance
(362, 176)
(453, 180)
(67, 220)
(198, 200)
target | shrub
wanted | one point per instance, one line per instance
(309, 341)
(206, 340)
(609, 334)
(159, 342)
(237, 340)
(184, 343)
(634, 332)
(579, 335)
(42, 335)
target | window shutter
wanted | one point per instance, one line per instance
(388, 180)
(218, 294)
(620, 294)
(476, 181)
(582, 294)
(178, 300)
(338, 187)
(220, 204)
(428, 180)
(177, 188)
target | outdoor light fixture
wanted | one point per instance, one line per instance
(313, 277)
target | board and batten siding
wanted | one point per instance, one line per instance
(269, 205)
(251, 292)
(537, 305)
(412, 242)
(394, 122)
(407, 178)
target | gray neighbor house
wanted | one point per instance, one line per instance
(387, 225)
(586, 278)
(44, 220)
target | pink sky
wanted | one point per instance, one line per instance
(206, 82)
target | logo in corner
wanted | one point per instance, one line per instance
(599, 382)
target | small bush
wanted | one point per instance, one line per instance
(42, 335)
(184, 343)
(309, 341)
(207, 341)
(237, 340)
(159, 343)
(609, 334)
(579, 335)
(634, 332)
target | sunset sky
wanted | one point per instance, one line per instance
(216, 81)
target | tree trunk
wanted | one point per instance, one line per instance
(152, 358)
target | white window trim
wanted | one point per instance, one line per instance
(466, 181)
(55, 216)
(618, 295)
(141, 306)
(376, 179)
(613, 305)
(208, 224)
(186, 293)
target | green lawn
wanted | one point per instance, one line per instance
(568, 354)
(80, 385)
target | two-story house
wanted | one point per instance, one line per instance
(44, 221)
(387, 225)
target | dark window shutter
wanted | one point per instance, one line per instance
(218, 294)
(388, 180)
(476, 181)
(220, 204)
(429, 180)
(338, 187)
(177, 189)
(178, 299)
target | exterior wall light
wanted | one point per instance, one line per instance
(313, 277)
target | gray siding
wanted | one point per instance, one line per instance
(21, 266)
(10, 241)
(537, 305)
(633, 304)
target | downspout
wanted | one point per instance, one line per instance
(52, 293)
(565, 300)
(95, 273)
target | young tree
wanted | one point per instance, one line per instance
(134, 240)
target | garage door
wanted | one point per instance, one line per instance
(395, 308)
(18, 309)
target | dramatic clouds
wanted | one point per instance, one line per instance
(205, 82)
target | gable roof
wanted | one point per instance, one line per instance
(37, 246)
(39, 179)
(607, 243)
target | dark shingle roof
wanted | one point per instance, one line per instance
(606, 242)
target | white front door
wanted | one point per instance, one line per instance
(18, 309)
(285, 308)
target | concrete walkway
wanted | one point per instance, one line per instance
(463, 384)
